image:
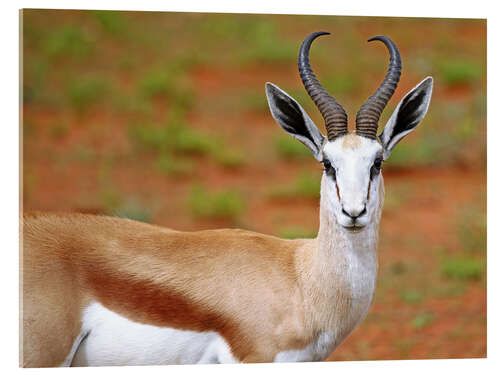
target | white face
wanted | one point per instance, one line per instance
(351, 184)
(352, 179)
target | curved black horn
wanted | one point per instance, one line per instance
(333, 113)
(369, 113)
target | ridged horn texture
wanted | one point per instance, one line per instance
(333, 113)
(369, 113)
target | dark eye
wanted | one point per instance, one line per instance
(375, 169)
(329, 168)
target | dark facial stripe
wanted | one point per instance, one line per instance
(338, 192)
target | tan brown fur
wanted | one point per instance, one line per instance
(351, 141)
(161, 277)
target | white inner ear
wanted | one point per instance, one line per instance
(388, 138)
(287, 111)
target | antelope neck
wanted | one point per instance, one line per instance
(342, 274)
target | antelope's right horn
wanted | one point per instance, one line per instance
(333, 113)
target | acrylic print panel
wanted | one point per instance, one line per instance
(162, 118)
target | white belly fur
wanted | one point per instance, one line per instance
(318, 350)
(113, 340)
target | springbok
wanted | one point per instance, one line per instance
(108, 291)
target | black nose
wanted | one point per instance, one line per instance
(354, 215)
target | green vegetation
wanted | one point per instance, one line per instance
(157, 82)
(34, 77)
(229, 158)
(176, 138)
(411, 296)
(296, 232)
(306, 185)
(471, 229)
(109, 199)
(264, 45)
(132, 209)
(404, 346)
(341, 84)
(112, 22)
(174, 166)
(115, 204)
(67, 41)
(456, 71)
(288, 147)
(253, 100)
(398, 194)
(424, 151)
(84, 92)
(422, 320)
(222, 204)
(462, 268)
(169, 82)
(453, 290)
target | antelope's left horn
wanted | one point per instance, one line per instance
(369, 113)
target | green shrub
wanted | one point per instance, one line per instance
(67, 41)
(170, 83)
(411, 296)
(455, 72)
(192, 141)
(157, 83)
(398, 195)
(253, 100)
(176, 137)
(341, 84)
(297, 232)
(86, 92)
(471, 228)
(306, 185)
(132, 209)
(111, 21)
(427, 150)
(263, 44)
(423, 319)
(228, 158)
(463, 268)
(173, 167)
(288, 147)
(227, 205)
(171, 137)
(110, 199)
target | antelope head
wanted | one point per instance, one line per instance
(351, 181)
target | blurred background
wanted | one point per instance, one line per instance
(162, 117)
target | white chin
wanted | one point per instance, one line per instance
(354, 228)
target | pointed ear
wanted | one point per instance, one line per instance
(292, 117)
(407, 115)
